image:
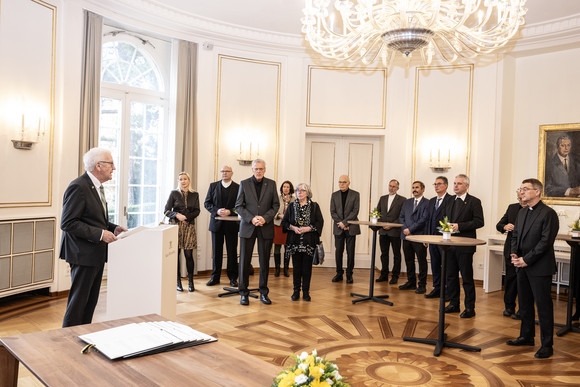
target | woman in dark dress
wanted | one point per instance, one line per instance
(303, 222)
(182, 208)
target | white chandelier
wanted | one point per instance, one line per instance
(371, 30)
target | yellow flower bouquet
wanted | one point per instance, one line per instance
(445, 228)
(310, 370)
(375, 213)
(575, 226)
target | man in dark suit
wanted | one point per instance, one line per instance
(532, 253)
(465, 215)
(436, 213)
(506, 224)
(414, 215)
(344, 206)
(221, 201)
(257, 204)
(86, 232)
(562, 171)
(390, 208)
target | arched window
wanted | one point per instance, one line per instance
(133, 124)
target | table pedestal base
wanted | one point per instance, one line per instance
(440, 344)
(364, 297)
(234, 291)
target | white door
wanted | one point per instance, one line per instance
(329, 157)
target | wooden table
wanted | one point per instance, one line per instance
(445, 245)
(228, 290)
(371, 297)
(569, 327)
(55, 358)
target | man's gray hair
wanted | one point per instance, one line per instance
(258, 161)
(93, 156)
(464, 177)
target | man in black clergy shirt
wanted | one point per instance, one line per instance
(220, 201)
(465, 215)
(257, 204)
(532, 253)
(86, 233)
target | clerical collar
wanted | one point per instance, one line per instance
(226, 185)
(462, 197)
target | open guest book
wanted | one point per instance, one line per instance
(146, 338)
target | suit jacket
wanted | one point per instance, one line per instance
(176, 204)
(557, 179)
(509, 217)
(249, 205)
(83, 221)
(435, 215)
(534, 240)
(392, 215)
(351, 208)
(213, 202)
(414, 220)
(468, 215)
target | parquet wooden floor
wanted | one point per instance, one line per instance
(364, 339)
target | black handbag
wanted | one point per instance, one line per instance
(318, 257)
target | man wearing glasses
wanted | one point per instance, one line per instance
(257, 203)
(221, 201)
(86, 233)
(532, 253)
(436, 213)
(344, 206)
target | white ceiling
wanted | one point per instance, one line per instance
(283, 16)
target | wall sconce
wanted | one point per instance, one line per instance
(29, 135)
(441, 162)
(249, 151)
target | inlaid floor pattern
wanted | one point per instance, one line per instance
(365, 339)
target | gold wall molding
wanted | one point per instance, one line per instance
(469, 105)
(49, 136)
(345, 125)
(222, 60)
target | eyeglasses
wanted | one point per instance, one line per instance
(107, 162)
(226, 171)
(436, 184)
(342, 182)
(301, 190)
(259, 169)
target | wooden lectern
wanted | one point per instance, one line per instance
(141, 273)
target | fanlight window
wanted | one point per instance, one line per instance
(125, 64)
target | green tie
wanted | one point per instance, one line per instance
(103, 198)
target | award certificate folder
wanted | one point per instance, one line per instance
(139, 339)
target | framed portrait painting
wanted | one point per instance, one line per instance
(559, 163)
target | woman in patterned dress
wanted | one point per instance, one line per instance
(182, 208)
(303, 222)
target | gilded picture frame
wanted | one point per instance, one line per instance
(559, 163)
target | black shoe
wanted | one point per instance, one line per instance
(576, 316)
(467, 313)
(508, 312)
(286, 272)
(420, 290)
(349, 279)
(191, 287)
(382, 279)
(452, 308)
(306, 297)
(212, 282)
(337, 278)
(435, 293)
(521, 341)
(394, 280)
(408, 286)
(251, 269)
(544, 353)
(516, 316)
(234, 283)
(179, 286)
(277, 271)
(245, 300)
(265, 300)
(295, 296)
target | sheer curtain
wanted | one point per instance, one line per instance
(91, 85)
